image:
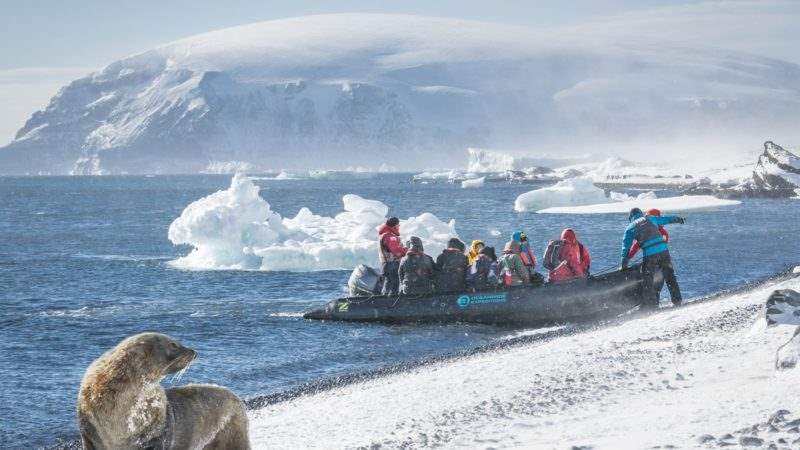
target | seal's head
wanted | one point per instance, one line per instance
(163, 354)
(142, 358)
(121, 403)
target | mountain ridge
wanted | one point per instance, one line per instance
(331, 91)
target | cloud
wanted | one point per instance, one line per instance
(765, 28)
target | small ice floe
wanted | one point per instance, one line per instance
(568, 193)
(667, 204)
(473, 183)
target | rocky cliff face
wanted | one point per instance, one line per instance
(775, 175)
(777, 170)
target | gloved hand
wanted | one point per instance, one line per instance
(681, 220)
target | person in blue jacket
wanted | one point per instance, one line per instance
(644, 230)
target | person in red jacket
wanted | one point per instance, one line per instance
(390, 251)
(661, 229)
(575, 259)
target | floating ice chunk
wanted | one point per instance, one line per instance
(572, 192)
(473, 183)
(236, 229)
(667, 204)
(286, 175)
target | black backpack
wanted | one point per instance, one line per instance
(552, 255)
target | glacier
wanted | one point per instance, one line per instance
(331, 91)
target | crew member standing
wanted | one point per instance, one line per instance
(644, 230)
(390, 250)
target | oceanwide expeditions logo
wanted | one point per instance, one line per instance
(485, 299)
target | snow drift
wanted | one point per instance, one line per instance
(689, 377)
(237, 229)
(666, 204)
(413, 92)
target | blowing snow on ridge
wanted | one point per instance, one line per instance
(414, 92)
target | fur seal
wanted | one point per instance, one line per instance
(121, 404)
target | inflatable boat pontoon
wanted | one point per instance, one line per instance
(604, 295)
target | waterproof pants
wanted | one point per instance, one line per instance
(651, 293)
(391, 280)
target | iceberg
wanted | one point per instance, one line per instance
(572, 192)
(235, 229)
(667, 204)
(473, 183)
(484, 161)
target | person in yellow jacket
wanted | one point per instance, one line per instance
(474, 248)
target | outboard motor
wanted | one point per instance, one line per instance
(364, 281)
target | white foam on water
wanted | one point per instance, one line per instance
(657, 380)
(235, 229)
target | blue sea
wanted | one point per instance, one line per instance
(84, 263)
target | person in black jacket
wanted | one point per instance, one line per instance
(452, 267)
(416, 270)
(483, 273)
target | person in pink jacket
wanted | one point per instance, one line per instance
(575, 259)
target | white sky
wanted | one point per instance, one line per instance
(48, 44)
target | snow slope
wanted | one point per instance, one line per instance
(236, 229)
(335, 90)
(676, 378)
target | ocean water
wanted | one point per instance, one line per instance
(84, 263)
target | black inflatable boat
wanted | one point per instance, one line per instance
(604, 295)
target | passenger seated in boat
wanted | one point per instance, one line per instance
(474, 249)
(483, 272)
(567, 258)
(512, 270)
(528, 257)
(416, 270)
(452, 267)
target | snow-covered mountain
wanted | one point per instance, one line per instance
(332, 91)
(777, 169)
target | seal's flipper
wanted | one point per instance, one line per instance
(783, 308)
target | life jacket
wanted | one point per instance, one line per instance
(384, 252)
(527, 258)
(647, 234)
